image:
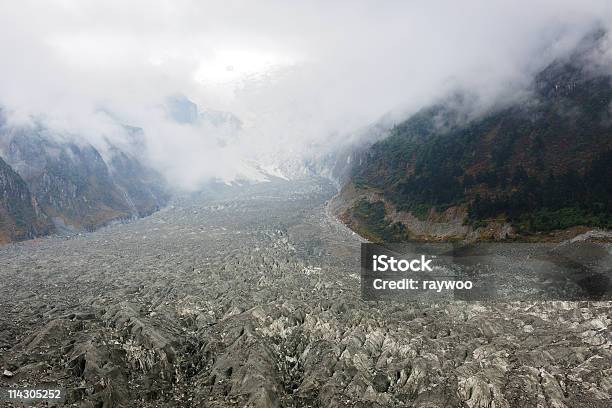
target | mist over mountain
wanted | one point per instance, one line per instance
(104, 116)
(329, 204)
(290, 83)
(540, 164)
(67, 185)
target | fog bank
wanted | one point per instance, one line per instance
(296, 78)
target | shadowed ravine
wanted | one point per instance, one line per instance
(253, 298)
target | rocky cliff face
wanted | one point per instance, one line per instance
(74, 185)
(143, 188)
(20, 215)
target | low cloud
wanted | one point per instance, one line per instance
(300, 77)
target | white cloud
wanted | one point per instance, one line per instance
(296, 73)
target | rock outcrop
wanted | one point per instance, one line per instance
(20, 216)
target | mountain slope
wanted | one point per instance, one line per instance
(143, 188)
(74, 184)
(543, 165)
(20, 217)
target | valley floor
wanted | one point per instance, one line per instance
(253, 298)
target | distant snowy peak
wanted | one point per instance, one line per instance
(184, 111)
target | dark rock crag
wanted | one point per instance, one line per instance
(73, 186)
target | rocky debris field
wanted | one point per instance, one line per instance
(252, 298)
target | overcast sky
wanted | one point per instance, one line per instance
(297, 74)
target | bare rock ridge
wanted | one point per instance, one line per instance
(71, 186)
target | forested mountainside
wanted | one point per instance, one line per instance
(56, 184)
(540, 165)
